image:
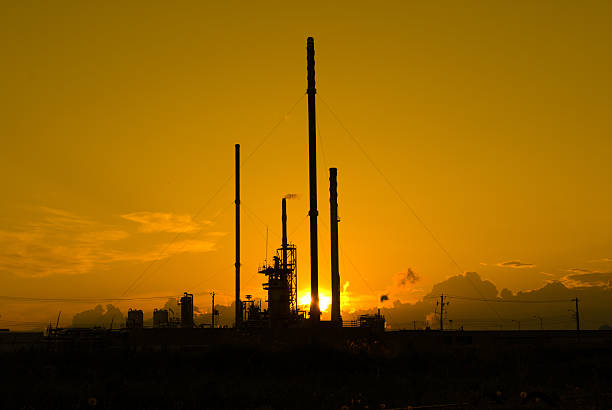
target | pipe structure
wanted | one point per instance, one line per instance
(333, 229)
(238, 317)
(315, 312)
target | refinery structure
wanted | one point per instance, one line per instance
(280, 309)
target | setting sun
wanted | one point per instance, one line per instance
(324, 301)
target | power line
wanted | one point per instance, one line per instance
(85, 300)
(226, 181)
(265, 138)
(17, 322)
(178, 250)
(401, 198)
(473, 299)
(174, 239)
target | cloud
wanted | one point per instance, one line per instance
(468, 284)
(602, 260)
(59, 242)
(547, 274)
(579, 270)
(403, 279)
(515, 264)
(61, 218)
(164, 222)
(185, 246)
(56, 242)
(473, 313)
(99, 316)
(580, 279)
(104, 236)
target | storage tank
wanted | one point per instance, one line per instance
(186, 310)
(160, 318)
(134, 319)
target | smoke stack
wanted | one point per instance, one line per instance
(312, 159)
(333, 228)
(237, 263)
(284, 244)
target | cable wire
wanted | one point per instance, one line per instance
(401, 198)
(133, 284)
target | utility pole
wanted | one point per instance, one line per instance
(577, 316)
(213, 310)
(442, 304)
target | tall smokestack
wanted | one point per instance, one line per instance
(237, 263)
(284, 244)
(312, 156)
(333, 228)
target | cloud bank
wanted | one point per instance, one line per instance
(59, 242)
(594, 291)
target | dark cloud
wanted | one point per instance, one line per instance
(402, 279)
(384, 298)
(99, 316)
(516, 264)
(595, 301)
(469, 284)
(588, 279)
(173, 307)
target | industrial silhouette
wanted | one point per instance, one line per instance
(276, 347)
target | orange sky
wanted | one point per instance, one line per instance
(491, 119)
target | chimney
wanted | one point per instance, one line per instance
(312, 157)
(333, 229)
(284, 244)
(238, 318)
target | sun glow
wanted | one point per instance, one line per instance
(324, 301)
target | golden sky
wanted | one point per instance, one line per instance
(118, 123)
